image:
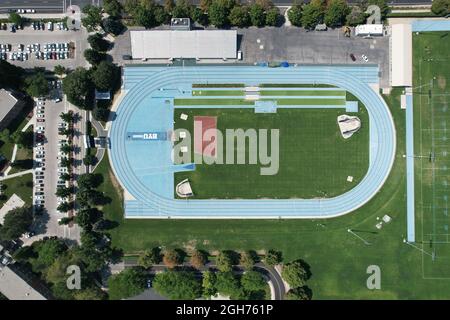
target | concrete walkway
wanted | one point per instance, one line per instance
(18, 174)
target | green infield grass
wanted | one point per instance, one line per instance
(314, 159)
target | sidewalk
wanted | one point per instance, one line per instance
(35, 16)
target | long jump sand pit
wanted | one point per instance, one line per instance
(205, 135)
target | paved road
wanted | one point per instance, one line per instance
(270, 273)
(60, 5)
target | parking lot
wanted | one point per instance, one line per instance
(49, 167)
(33, 47)
(315, 47)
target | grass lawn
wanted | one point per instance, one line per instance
(7, 145)
(431, 122)
(314, 158)
(22, 186)
(243, 102)
(302, 93)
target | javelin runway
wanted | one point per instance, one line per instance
(150, 203)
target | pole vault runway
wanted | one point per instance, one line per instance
(140, 174)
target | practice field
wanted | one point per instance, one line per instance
(315, 160)
(432, 148)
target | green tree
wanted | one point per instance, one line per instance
(15, 223)
(301, 293)
(78, 88)
(257, 15)
(253, 281)
(59, 70)
(37, 85)
(209, 284)
(89, 180)
(47, 251)
(145, 16)
(92, 17)
(295, 14)
(295, 273)
(11, 76)
(356, 16)
(113, 26)
(200, 17)
(94, 57)
(90, 294)
(440, 7)
(65, 176)
(67, 116)
(247, 260)
(218, 12)
(24, 139)
(182, 9)
(227, 284)
(97, 42)
(273, 258)
(66, 149)
(336, 13)
(150, 257)
(66, 220)
(100, 114)
(161, 16)
(105, 76)
(239, 16)
(89, 160)
(65, 162)
(178, 285)
(273, 17)
(86, 217)
(224, 261)
(112, 7)
(128, 283)
(63, 192)
(15, 18)
(312, 15)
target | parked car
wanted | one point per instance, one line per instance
(364, 57)
(352, 56)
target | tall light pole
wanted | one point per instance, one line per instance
(432, 255)
(359, 237)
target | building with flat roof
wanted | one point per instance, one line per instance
(195, 44)
(10, 106)
(14, 287)
(401, 55)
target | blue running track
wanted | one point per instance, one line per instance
(145, 171)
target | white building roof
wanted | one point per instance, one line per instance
(7, 102)
(401, 55)
(14, 287)
(369, 29)
(165, 44)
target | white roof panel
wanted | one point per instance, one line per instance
(401, 55)
(164, 44)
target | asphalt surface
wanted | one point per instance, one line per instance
(60, 5)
